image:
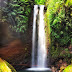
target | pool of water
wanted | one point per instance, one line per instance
(34, 71)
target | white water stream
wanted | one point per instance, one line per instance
(34, 35)
(39, 54)
(41, 60)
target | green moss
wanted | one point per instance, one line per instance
(6, 67)
(68, 68)
(59, 19)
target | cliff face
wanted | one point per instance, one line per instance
(16, 53)
(16, 49)
(5, 34)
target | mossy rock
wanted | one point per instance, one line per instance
(6, 67)
(68, 68)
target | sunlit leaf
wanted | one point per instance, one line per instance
(5, 66)
(68, 68)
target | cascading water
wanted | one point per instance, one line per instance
(34, 35)
(39, 57)
(41, 60)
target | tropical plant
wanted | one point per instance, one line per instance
(40, 2)
(18, 12)
(59, 17)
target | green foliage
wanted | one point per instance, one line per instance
(66, 55)
(18, 11)
(59, 14)
(40, 2)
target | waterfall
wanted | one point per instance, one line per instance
(39, 52)
(34, 35)
(41, 60)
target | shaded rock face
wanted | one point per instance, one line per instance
(16, 50)
(11, 49)
(2, 4)
(5, 34)
(16, 54)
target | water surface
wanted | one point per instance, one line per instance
(32, 71)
